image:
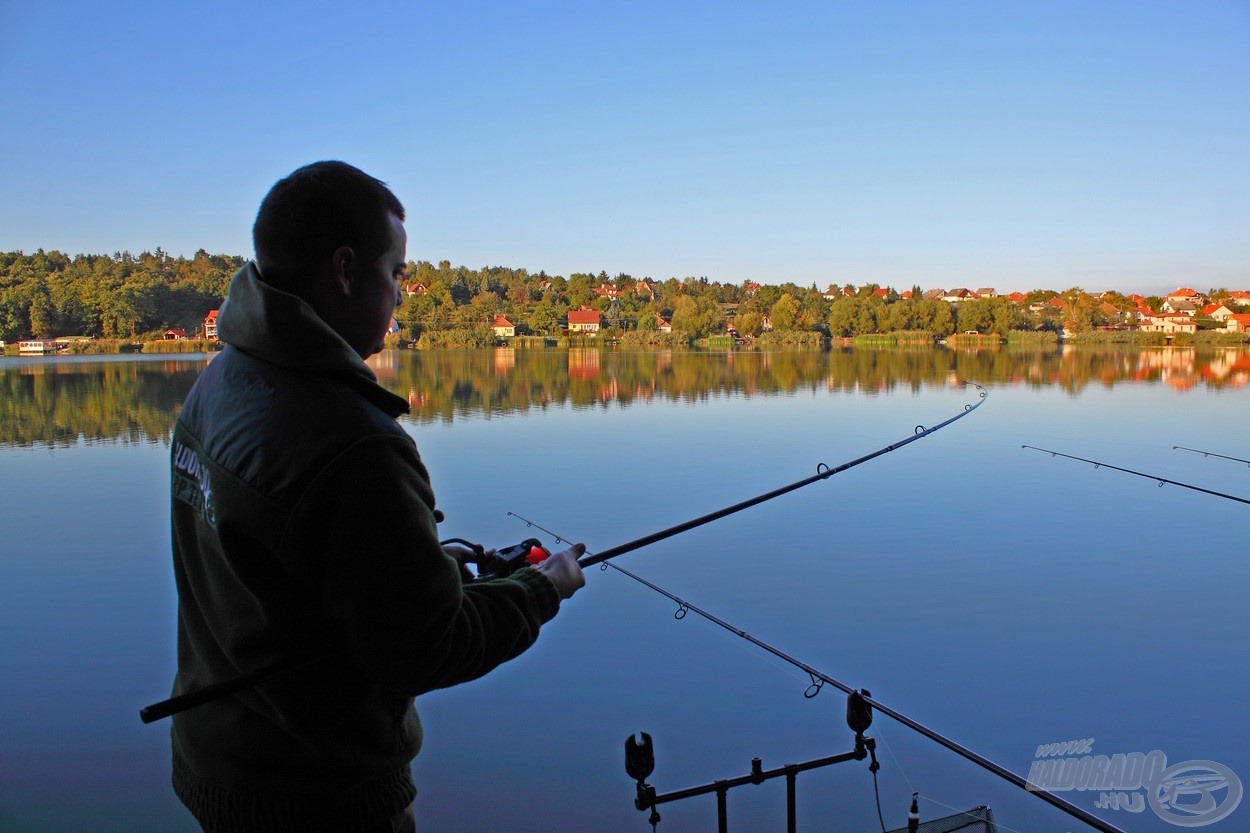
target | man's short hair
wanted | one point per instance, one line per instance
(309, 214)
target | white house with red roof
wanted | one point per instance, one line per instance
(210, 325)
(502, 327)
(1217, 311)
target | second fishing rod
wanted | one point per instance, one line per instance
(819, 678)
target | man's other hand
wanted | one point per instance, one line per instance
(564, 571)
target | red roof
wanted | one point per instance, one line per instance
(212, 315)
(583, 316)
(501, 321)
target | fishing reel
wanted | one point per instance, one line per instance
(502, 562)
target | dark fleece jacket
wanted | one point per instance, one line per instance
(303, 525)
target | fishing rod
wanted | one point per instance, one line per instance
(819, 678)
(1160, 480)
(1211, 454)
(823, 472)
(182, 702)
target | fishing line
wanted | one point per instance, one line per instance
(1160, 480)
(1210, 454)
(819, 677)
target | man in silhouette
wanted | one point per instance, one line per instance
(304, 527)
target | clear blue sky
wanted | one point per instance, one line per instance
(1016, 145)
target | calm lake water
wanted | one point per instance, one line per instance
(1001, 596)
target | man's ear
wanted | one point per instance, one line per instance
(344, 260)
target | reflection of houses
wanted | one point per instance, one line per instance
(583, 363)
(583, 321)
(385, 365)
(502, 327)
(210, 325)
(505, 360)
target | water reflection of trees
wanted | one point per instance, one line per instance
(57, 403)
(52, 402)
(443, 385)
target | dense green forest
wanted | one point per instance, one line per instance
(138, 297)
(50, 294)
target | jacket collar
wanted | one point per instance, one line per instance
(283, 329)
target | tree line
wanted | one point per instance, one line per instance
(138, 297)
(120, 296)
